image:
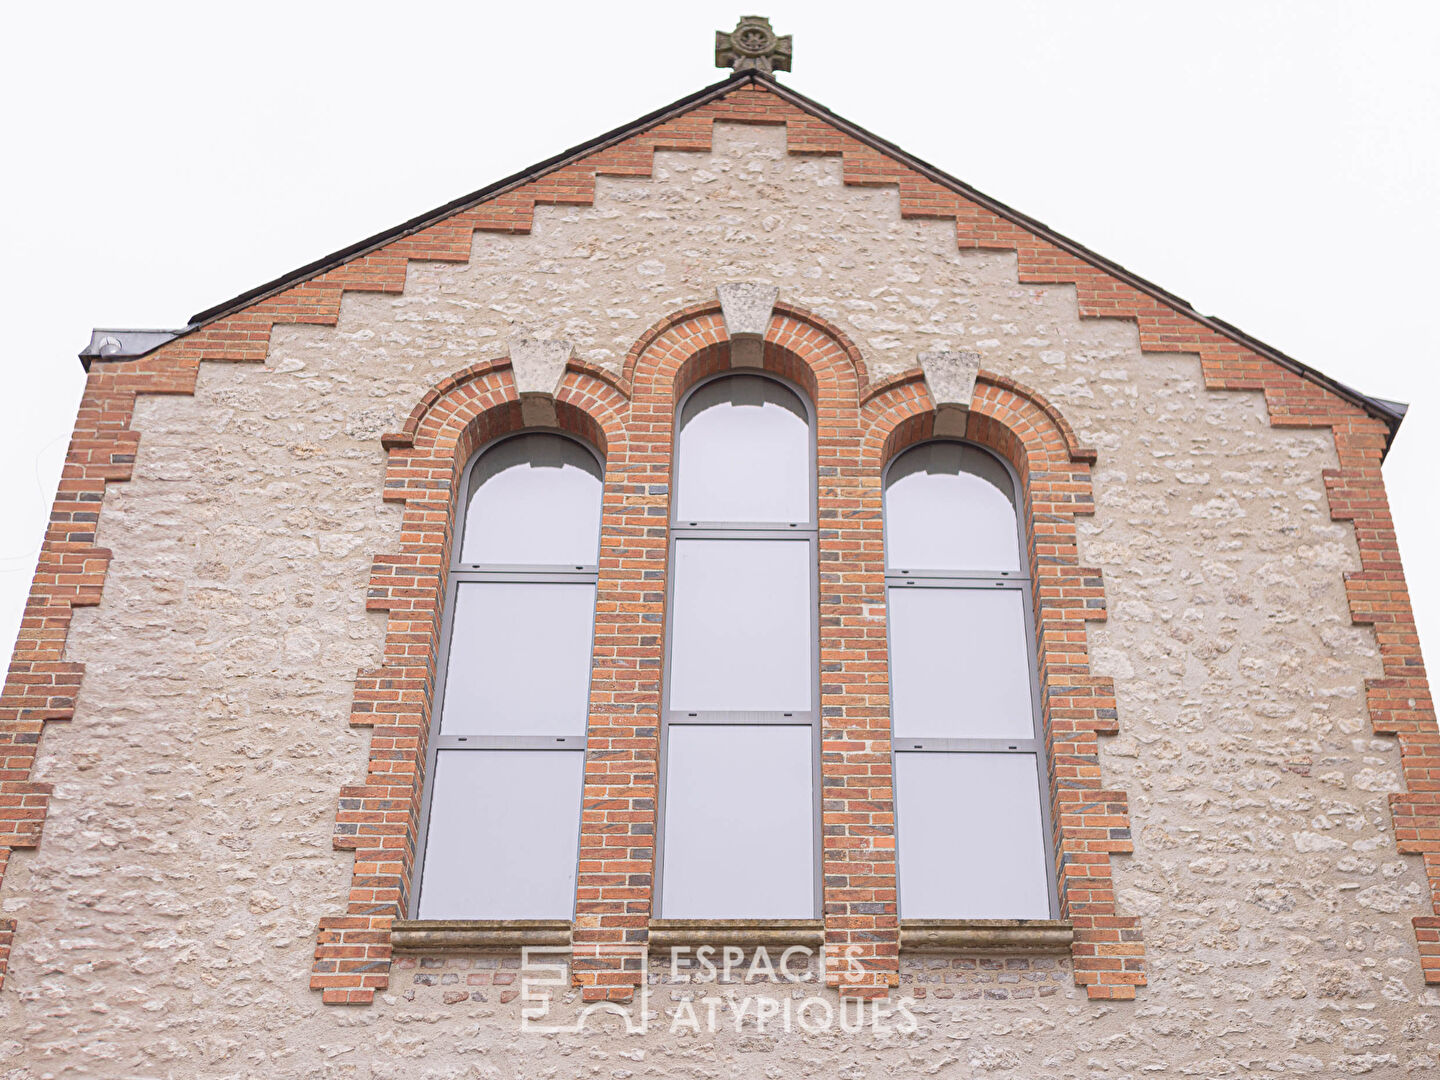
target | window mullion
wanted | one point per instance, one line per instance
(743, 532)
(798, 718)
(967, 746)
(954, 579)
(509, 742)
(526, 574)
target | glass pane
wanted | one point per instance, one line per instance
(504, 835)
(535, 499)
(740, 638)
(743, 453)
(950, 507)
(959, 666)
(519, 659)
(969, 835)
(739, 823)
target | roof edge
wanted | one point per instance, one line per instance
(109, 343)
(1391, 413)
(455, 206)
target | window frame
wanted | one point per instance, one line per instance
(459, 573)
(808, 532)
(981, 580)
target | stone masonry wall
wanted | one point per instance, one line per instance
(168, 916)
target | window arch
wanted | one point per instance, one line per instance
(499, 833)
(971, 779)
(740, 711)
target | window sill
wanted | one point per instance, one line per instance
(460, 935)
(987, 935)
(916, 935)
(746, 933)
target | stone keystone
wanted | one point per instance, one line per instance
(950, 381)
(538, 365)
(746, 307)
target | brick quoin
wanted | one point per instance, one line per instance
(41, 685)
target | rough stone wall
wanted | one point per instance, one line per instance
(168, 916)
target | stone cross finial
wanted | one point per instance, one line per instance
(752, 46)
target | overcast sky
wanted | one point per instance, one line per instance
(1275, 163)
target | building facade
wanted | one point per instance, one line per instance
(594, 567)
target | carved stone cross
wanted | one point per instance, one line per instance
(752, 46)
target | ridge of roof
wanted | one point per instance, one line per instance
(1390, 412)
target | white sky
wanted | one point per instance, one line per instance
(1275, 163)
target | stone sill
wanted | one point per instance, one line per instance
(454, 935)
(1027, 936)
(666, 934)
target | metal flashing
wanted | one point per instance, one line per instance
(112, 344)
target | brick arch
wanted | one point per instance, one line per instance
(1090, 823)
(379, 817)
(908, 385)
(715, 359)
(587, 404)
(692, 343)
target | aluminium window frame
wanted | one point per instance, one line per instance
(459, 573)
(979, 580)
(807, 532)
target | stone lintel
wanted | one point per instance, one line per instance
(746, 933)
(441, 935)
(987, 935)
(537, 366)
(746, 307)
(950, 381)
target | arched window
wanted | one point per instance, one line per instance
(500, 830)
(971, 784)
(740, 715)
